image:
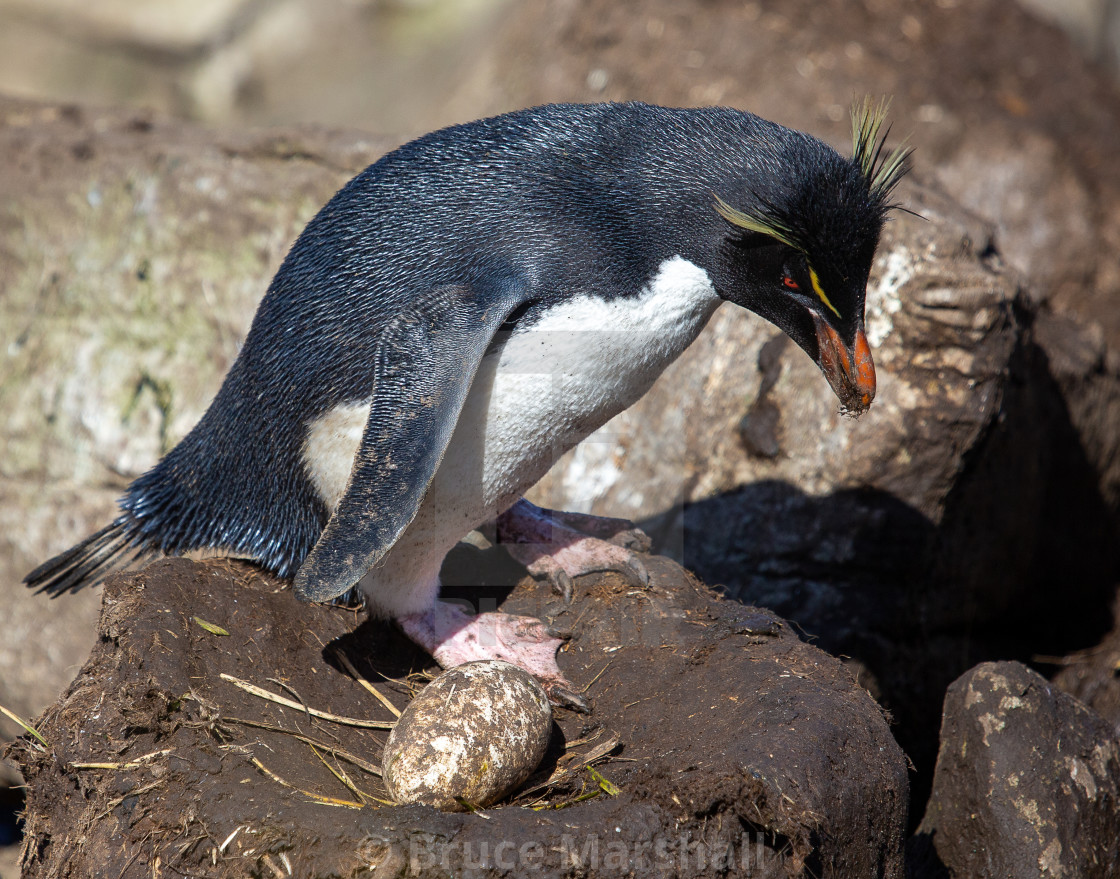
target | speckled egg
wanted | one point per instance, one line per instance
(476, 732)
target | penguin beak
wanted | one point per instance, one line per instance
(849, 370)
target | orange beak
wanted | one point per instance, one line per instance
(850, 371)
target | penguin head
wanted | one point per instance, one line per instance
(798, 246)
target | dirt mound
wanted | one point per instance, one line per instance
(719, 740)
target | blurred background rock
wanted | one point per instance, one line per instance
(380, 64)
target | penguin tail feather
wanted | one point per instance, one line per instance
(89, 562)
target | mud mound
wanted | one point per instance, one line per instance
(718, 740)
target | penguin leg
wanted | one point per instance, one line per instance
(557, 546)
(455, 637)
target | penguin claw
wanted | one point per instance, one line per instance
(635, 567)
(562, 695)
(561, 584)
(633, 539)
(547, 568)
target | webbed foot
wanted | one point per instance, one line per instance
(455, 637)
(557, 546)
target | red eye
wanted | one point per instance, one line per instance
(790, 284)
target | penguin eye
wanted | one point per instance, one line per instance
(789, 283)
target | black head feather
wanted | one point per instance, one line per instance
(836, 211)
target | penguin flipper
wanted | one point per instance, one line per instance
(426, 361)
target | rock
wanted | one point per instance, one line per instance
(1092, 675)
(951, 338)
(9, 862)
(1087, 373)
(1091, 24)
(471, 736)
(241, 62)
(133, 251)
(1031, 155)
(1027, 782)
(825, 530)
(928, 535)
(942, 324)
(1027, 149)
(719, 740)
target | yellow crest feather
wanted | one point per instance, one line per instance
(753, 223)
(882, 171)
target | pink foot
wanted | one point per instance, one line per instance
(558, 546)
(454, 637)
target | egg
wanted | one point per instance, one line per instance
(473, 734)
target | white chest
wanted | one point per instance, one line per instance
(555, 383)
(542, 392)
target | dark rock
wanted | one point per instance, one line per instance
(1027, 783)
(760, 428)
(741, 748)
(1087, 373)
(1092, 675)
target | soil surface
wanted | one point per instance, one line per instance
(720, 741)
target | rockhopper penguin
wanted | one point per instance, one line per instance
(473, 305)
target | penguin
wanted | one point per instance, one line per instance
(471, 306)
